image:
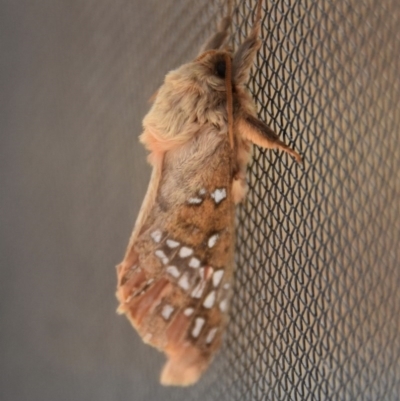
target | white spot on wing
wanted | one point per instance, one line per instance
(188, 311)
(198, 290)
(217, 277)
(209, 301)
(127, 300)
(172, 244)
(206, 273)
(173, 271)
(219, 195)
(198, 325)
(202, 191)
(156, 235)
(226, 286)
(211, 335)
(167, 311)
(161, 255)
(184, 282)
(185, 252)
(212, 240)
(195, 201)
(194, 262)
(223, 305)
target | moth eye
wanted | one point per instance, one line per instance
(220, 68)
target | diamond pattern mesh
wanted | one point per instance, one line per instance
(316, 311)
(318, 248)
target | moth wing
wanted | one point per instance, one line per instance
(173, 283)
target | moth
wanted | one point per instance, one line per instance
(175, 281)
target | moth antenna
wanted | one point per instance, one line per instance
(217, 40)
(257, 19)
(230, 8)
(230, 11)
(244, 57)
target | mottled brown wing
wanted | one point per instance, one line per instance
(174, 283)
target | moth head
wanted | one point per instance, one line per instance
(205, 90)
(214, 63)
(212, 68)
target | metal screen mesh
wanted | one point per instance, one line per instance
(316, 310)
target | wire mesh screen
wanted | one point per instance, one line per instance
(317, 306)
(316, 309)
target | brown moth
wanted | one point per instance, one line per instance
(174, 283)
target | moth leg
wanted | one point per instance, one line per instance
(260, 134)
(218, 38)
(239, 184)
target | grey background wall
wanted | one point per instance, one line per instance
(316, 308)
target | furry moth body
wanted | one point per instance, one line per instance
(174, 283)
